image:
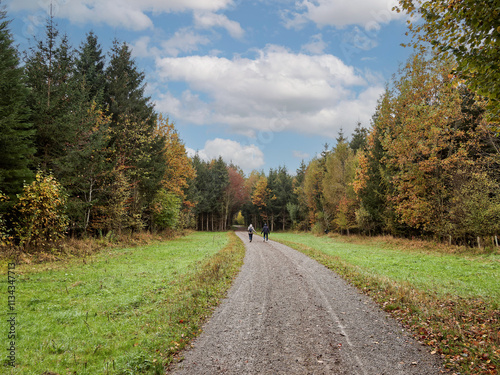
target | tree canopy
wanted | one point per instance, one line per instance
(469, 31)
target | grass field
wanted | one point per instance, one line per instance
(449, 300)
(465, 275)
(123, 311)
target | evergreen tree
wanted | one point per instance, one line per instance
(138, 150)
(358, 140)
(16, 131)
(125, 88)
(284, 194)
(298, 211)
(52, 96)
(89, 68)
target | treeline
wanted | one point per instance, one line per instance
(82, 150)
(428, 166)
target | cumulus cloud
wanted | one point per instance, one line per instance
(247, 157)
(275, 91)
(130, 14)
(340, 13)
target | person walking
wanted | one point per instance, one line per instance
(250, 232)
(265, 231)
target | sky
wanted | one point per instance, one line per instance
(262, 83)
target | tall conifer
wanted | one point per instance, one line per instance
(16, 131)
(52, 96)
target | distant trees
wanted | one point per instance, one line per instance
(218, 193)
(429, 166)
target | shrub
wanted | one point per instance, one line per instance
(166, 210)
(5, 238)
(41, 219)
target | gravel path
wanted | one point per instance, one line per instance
(287, 314)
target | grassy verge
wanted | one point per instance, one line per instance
(122, 311)
(449, 301)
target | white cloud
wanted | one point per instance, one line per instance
(130, 14)
(184, 40)
(340, 13)
(247, 157)
(316, 46)
(208, 20)
(276, 91)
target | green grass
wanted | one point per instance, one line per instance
(449, 301)
(125, 311)
(463, 275)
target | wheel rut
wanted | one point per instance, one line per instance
(288, 314)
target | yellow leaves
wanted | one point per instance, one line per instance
(179, 171)
(41, 212)
(261, 193)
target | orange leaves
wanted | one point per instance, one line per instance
(179, 169)
(261, 196)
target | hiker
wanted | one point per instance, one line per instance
(250, 232)
(265, 231)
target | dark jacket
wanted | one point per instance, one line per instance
(265, 230)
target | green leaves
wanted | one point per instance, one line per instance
(469, 30)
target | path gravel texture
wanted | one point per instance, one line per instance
(288, 314)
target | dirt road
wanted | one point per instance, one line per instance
(287, 314)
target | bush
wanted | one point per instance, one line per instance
(5, 238)
(166, 210)
(41, 219)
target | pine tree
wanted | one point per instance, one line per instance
(16, 132)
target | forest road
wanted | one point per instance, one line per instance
(287, 314)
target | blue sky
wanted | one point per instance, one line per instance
(262, 83)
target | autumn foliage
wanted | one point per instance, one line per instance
(41, 217)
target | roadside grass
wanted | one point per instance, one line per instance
(122, 311)
(449, 301)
